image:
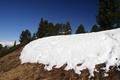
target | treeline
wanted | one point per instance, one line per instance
(108, 18)
(46, 29)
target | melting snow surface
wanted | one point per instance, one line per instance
(87, 49)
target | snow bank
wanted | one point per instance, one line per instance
(87, 49)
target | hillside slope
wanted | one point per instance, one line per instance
(10, 61)
(12, 69)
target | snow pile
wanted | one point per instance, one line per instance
(87, 49)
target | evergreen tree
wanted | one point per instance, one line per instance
(51, 29)
(68, 29)
(62, 30)
(25, 37)
(104, 15)
(43, 29)
(57, 29)
(95, 28)
(40, 29)
(46, 29)
(108, 15)
(80, 29)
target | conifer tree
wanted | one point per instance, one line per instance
(25, 37)
(51, 29)
(43, 29)
(40, 29)
(116, 13)
(95, 28)
(80, 29)
(57, 29)
(68, 29)
(105, 14)
(109, 14)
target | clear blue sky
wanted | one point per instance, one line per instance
(17, 15)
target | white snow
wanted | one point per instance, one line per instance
(88, 49)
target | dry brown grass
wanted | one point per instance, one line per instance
(22, 72)
(10, 61)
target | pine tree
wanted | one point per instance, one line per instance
(116, 13)
(80, 29)
(108, 15)
(68, 29)
(57, 29)
(62, 29)
(105, 14)
(95, 28)
(43, 29)
(40, 29)
(25, 37)
(51, 29)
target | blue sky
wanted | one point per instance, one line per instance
(18, 15)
